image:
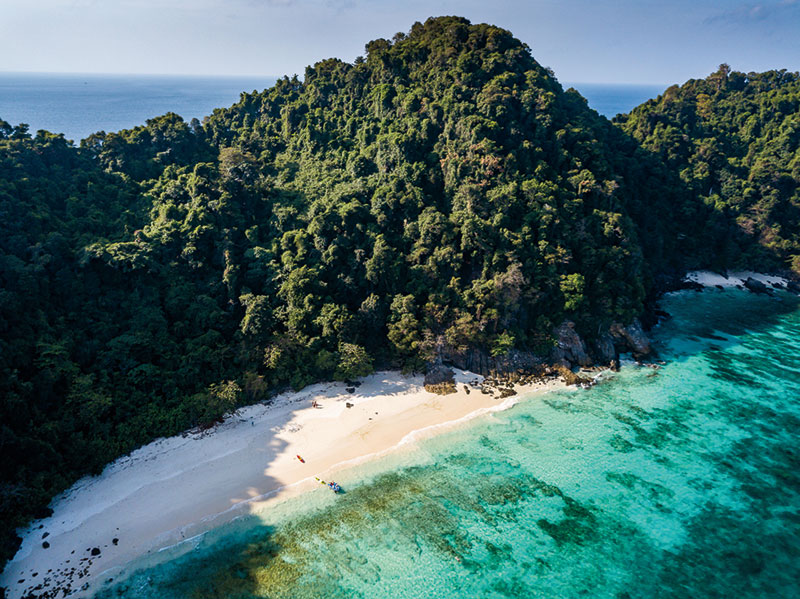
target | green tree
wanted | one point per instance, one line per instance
(354, 362)
(573, 287)
(502, 344)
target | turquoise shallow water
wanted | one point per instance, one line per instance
(678, 482)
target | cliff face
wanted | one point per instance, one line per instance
(570, 351)
(445, 184)
(482, 362)
(632, 337)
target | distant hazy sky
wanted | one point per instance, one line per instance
(624, 41)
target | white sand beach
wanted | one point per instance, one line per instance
(734, 279)
(176, 488)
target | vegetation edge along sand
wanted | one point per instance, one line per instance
(179, 487)
(442, 197)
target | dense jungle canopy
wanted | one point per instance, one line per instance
(443, 190)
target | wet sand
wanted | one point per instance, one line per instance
(176, 488)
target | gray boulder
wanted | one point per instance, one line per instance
(634, 337)
(569, 346)
(757, 286)
(481, 362)
(440, 379)
(604, 349)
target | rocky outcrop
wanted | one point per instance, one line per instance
(604, 349)
(571, 378)
(757, 286)
(570, 352)
(633, 338)
(690, 285)
(440, 379)
(481, 362)
(570, 348)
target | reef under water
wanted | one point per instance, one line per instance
(682, 481)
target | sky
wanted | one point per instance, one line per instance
(592, 41)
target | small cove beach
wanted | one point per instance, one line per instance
(178, 488)
(670, 482)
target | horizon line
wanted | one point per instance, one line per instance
(564, 83)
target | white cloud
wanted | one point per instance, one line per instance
(762, 11)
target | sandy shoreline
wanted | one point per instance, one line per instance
(706, 278)
(176, 488)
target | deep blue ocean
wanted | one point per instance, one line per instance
(673, 483)
(79, 105)
(611, 99)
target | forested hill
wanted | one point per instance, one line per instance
(443, 193)
(734, 140)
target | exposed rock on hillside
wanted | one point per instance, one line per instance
(605, 350)
(440, 379)
(481, 362)
(633, 337)
(569, 346)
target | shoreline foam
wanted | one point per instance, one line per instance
(174, 490)
(707, 278)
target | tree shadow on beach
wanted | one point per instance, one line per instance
(219, 562)
(223, 565)
(191, 542)
(66, 562)
(391, 383)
